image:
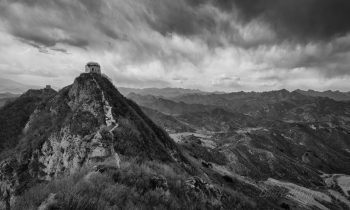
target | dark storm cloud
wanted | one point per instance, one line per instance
(178, 17)
(41, 40)
(167, 17)
(243, 38)
(43, 48)
(331, 59)
(300, 21)
(38, 28)
(304, 20)
(307, 20)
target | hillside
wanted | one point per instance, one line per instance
(166, 121)
(304, 124)
(89, 135)
(282, 138)
(7, 97)
(89, 147)
(90, 110)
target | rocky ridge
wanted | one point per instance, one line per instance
(86, 123)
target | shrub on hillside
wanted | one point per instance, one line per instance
(126, 188)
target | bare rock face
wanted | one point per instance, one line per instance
(86, 123)
(70, 152)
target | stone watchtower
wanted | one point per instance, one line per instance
(93, 67)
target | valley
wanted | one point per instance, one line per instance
(278, 139)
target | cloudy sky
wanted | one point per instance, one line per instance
(228, 45)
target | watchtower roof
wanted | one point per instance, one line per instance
(92, 64)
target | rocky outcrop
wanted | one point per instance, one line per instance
(67, 152)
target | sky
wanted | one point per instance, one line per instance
(212, 45)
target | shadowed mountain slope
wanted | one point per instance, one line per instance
(14, 115)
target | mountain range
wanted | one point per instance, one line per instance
(178, 92)
(93, 146)
(14, 87)
(161, 92)
(290, 139)
(8, 86)
(336, 95)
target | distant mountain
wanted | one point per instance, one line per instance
(275, 105)
(6, 97)
(244, 102)
(335, 95)
(162, 92)
(11, 86)
(167, 106)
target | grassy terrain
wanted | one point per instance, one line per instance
(129, 187)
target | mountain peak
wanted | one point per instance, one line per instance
(86, 123)
(93, 98)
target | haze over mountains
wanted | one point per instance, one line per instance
(174, 92)
(10, 86)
